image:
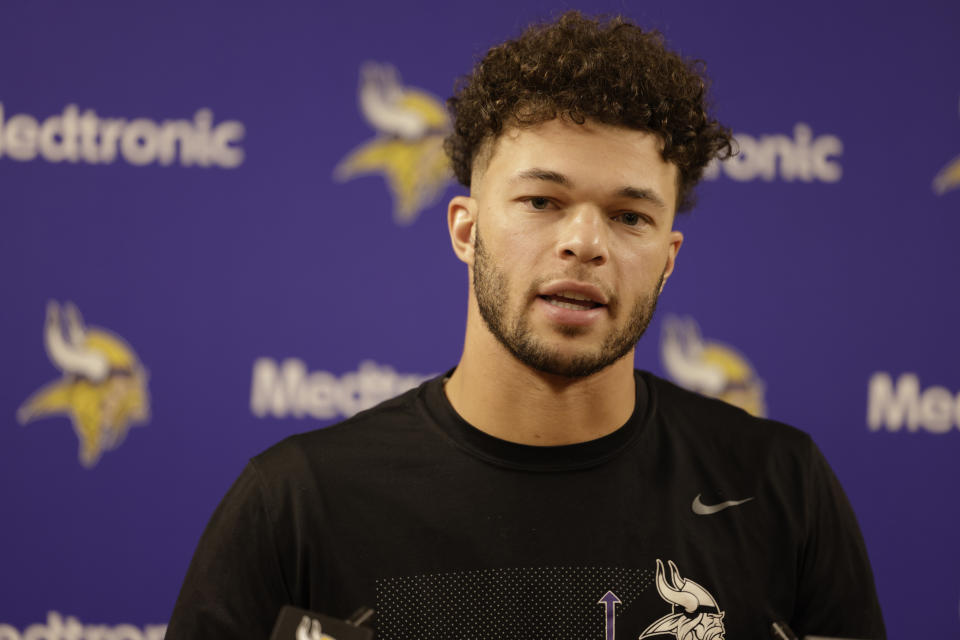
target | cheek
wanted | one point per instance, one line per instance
(639, 273)
(640, 258)
(521, 250)
(652, 255)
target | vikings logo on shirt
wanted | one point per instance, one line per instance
(948, 178)
(408, 149)
(711, 368)
(103, 389)
(695, 615)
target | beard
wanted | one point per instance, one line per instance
(491, 288)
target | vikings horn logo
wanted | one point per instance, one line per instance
(948, 178)
(710, 368)
(695, 616)
(408, 149)
(103, 389)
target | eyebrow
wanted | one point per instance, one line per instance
(543, 175)
(641, 193)
(632, 193)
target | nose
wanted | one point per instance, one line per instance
(584, 236)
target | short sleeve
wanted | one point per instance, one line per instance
(836, 596)
(234, 587)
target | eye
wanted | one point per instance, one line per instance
(629, 218)
(539, 202)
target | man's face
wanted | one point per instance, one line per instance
(573, 241)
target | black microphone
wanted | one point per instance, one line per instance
(299, 624)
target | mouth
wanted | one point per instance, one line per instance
(571, 300)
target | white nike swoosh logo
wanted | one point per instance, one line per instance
(707, 509)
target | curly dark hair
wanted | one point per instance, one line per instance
(607, 70)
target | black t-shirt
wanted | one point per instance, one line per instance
(691, 520)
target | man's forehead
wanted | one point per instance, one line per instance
(547, 161)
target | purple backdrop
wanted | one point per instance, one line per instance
(209, 242)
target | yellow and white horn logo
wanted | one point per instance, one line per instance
(408, 149)
(103, 389)
(711, 368)
(948, 178)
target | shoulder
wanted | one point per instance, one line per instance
(384, 427)
(721, 426)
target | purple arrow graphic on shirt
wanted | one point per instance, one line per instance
(609, 602)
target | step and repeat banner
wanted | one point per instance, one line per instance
(224, 223)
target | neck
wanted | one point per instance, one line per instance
(505, 398)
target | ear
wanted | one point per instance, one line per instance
(461, 222)
(675, 240)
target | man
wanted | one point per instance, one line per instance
(543, 488)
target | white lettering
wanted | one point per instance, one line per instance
(801, 158)
(126, 632)
(88, 137)
(893, 409)
(139, 142)
(277, 393)
(936, 409)
(225, 136)
(318, 395)
(110, 132)
(748, 163)
(174, 135)
(98, 632)
(75, 137)
(286, 389)
(73, 630)
(202, 121)
(58, 136)
(823, 149)
(20, 137)
(50, 631)
(56, 629)
(796, 162)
